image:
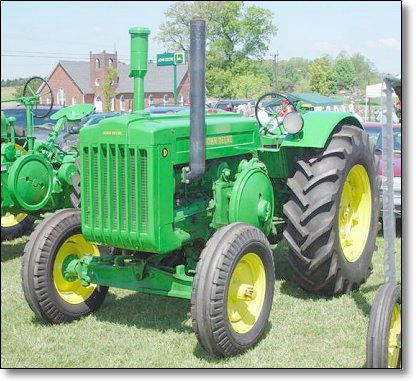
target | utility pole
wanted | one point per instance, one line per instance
(275, 64)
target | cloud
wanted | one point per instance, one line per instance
(391, 42)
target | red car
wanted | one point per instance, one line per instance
(374, 131)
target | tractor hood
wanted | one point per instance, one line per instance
(227, 134)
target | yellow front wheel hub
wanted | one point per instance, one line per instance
(354, 216)
(72, 292)
(10, 220)
(246, 292)
(394, 343)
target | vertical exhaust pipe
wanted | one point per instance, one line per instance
(197, 94)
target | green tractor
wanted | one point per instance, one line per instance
(192, 203)
(36, 176)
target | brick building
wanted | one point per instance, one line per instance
(80, 82)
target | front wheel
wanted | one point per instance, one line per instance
(384, 347)
(52, 297)
(232, 291)
(15, 225)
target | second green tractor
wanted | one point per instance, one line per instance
(192, 203)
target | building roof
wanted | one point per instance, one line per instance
(159, 79)
(79, 71)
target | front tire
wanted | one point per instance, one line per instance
(232, 291)
(384, 329)
(54, 299)
(13, 226)
(333, 214)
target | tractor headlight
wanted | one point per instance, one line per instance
(293, 122)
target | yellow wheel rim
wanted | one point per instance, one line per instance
(73, 292)
(246, 293)
(10, 220)
(354, 213)
(394, 343)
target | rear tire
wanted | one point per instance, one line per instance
(13, 226)
(384, 329)
(49, 295)
(232, 291)
(333, 214)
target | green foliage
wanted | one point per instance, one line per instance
(246, 79)
(344, 74)
(108, 88)
(14, 82)
(237, 37)
(233, 30)
(250, 86)
(293, 75)
(320, 76)
(18, 91)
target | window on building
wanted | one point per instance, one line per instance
(61, 97)
(98, 104)
(122, 103)
(48, 100)
(97, 82)
(112, 104)
(74, 100)
(150, 99)
(110, 62)
(165, 98)
(181, 100)
(97, 63)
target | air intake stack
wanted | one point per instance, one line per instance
(138, 64)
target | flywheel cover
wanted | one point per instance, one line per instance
(30, 182)
(252, 199)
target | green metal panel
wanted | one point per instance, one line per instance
(317, 128)
(128, 175)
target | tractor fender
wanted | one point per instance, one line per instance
(317, 128)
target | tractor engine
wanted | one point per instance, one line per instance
(134, 185)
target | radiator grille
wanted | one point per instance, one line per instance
(113, 176)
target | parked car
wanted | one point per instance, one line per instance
(374, 132)
(165, 108)
(43, 126)
(95, 117)
(224, 103)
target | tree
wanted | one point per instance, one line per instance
(293, 75)
(365, 71)
(233, 31)
(344, 74)
(108, 88)
(319, 71)
(249, 86)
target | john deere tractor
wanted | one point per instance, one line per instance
(193, 202)
(36, 176)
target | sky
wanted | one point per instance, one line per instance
(70, 30)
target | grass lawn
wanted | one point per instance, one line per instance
(133, 330)
(7, 93)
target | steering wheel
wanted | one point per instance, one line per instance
(270, 109)
(38, 87)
